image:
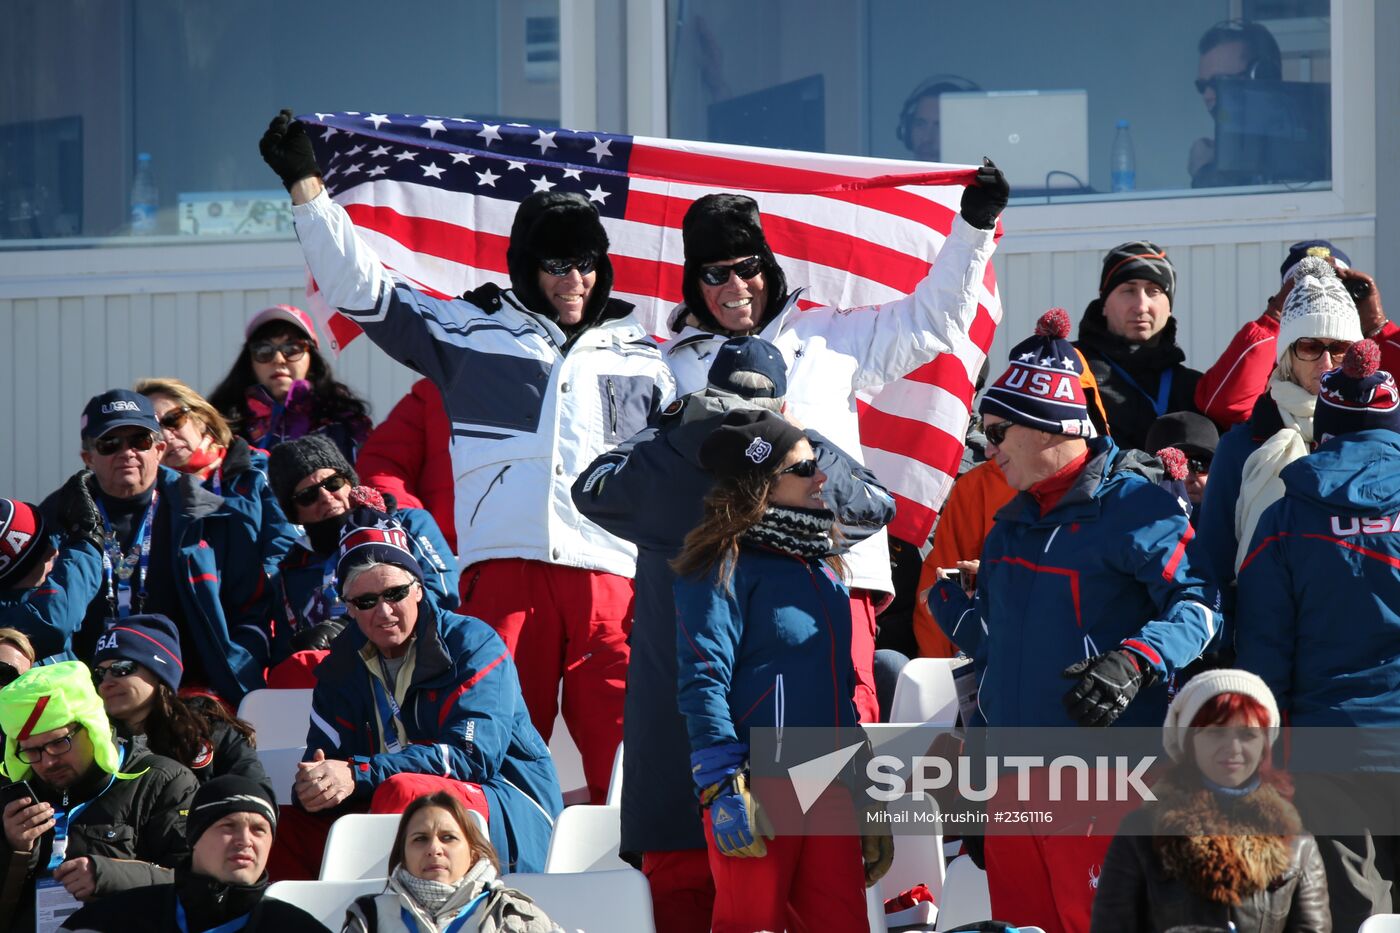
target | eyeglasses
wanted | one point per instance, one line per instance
(333, 483)
(266, 351)
(394, 594)
(1198, 466)
(55, 749)
(996, 433)
(1204, 84)
(560, 267)
(744, 269)
(107, 446)
(172, 419)
(803, 468)
(115, 669)
(1310, 348)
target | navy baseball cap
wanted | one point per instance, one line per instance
(1303, 248)
(749, 367)
(118, 408)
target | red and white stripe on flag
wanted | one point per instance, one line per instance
(854, 231)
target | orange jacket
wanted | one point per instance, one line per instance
(962, 527)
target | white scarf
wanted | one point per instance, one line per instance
(1260, 486)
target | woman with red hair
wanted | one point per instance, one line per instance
(1222, 846)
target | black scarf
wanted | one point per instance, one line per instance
(210, 902)
(792, 530)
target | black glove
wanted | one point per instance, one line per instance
(1107, 684)
(318, 637)
(77, 512)
(983, 201)
(287, 150)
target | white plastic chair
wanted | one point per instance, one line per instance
(327, 901)
(358, 845)
(965, 895)
(925, 693)
(281, 767)
(568, 763)
(1381, 923)
(280, 718)
(918, 859)
(592, 902)
(614, 798)
(875, 909)
(585, 838)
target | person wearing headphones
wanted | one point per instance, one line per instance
(1229, 49)
(918, 125)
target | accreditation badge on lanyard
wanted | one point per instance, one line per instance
(52, 902)
(119, 567)
(391, 725)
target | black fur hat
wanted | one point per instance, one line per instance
(557, 225)
(719, 227)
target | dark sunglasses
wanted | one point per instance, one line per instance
(744, 269)
(115, 669)
(803, 468)
(1203, 84)
(394, 594)
(265, 351)
(560, 267)
(107, 446)
(996, 433)
(1198, 465)
(333, 483)
(1310, 348)
(175, 417)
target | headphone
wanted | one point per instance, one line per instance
(929, 87)
(1265, 59)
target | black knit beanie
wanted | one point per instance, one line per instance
(293, 461)
(719, 227)
(220, 796)
(557, 225)
(1138, 260)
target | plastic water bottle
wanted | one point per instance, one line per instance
(145, 199)
(1123, 163)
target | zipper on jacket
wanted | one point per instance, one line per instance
(489, 486)
(779, 714)
(1051, 540)
(612, 404)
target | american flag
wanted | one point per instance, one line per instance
(435, 198)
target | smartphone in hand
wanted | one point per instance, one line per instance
(17, 791)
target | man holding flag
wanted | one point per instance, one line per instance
(538, 380)
(733, 286)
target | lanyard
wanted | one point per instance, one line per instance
(62, 818)
(1164, 388)
(118, 567)
(388, 716)
(332, 607)
(237, 923)
(457, 922)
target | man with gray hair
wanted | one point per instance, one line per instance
(650, 491)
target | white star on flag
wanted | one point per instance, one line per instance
(541, 184)
(356, 151)
(322, 116)
(600, 149)
(461, 157)
(487, 178)
(432, 126)
(489, 132)
(330, 131)
(596, 193)
(573, 173)
(512, 166)
(407, 155)
(354, 168)
(377, 119)
(380, 151)
(545, 142)
(432, 170)
(378, 170)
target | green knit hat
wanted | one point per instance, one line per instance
(50, 697)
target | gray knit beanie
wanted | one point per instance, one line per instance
(293, 461)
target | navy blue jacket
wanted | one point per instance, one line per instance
(650, 491)
(464, 719)
(1105, 567)
(1318, 615)
(217, 568)
(244, 486)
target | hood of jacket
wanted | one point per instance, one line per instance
(1153, 356)
(1350, 473)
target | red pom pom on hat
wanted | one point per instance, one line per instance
(1053, 323)
(367, 495)
(1363, 359)
(1174, 461)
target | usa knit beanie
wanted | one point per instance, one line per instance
(22, 540)
(371, 535)
(1358, 396)
(1041, 387)
(150, 640)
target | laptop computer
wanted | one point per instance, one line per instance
(1040, 139)
(1272, 131)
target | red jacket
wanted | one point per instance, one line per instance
(407, 456)
(1228, 390)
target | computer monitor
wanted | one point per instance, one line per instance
(785, 116)
(1040, 139)
(1269, 132)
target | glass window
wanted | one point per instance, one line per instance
(1094, 100)
(90, 86)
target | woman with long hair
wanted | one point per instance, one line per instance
(136, 669)
(1223, 846)
(443, 876)
(764, 640)
(199, 442)
(281, 388)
